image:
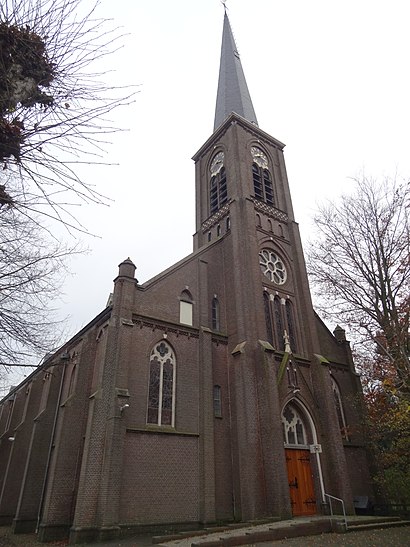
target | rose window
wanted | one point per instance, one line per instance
(272, 266)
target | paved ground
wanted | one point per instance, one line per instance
(391, 537)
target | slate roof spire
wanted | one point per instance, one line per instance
(233, 94)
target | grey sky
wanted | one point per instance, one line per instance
(330, 79)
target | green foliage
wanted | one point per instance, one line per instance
(389, 431)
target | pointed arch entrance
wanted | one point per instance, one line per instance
(298, 436)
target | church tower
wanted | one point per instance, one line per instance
(280, 386)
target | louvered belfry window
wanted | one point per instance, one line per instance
(262, 178)
(218, 191)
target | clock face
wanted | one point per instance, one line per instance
(259, 157)
(217, 163)
(272, 266)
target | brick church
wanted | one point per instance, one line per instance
(212, 392)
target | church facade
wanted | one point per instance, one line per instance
(212, 392)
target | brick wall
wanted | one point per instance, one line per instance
(160, 479)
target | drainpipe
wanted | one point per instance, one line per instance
(64, 358)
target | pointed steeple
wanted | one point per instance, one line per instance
(233, 94)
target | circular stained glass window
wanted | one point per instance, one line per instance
(272, 266)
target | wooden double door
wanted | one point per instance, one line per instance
(302, 493)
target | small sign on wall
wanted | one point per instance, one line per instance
(315, 448)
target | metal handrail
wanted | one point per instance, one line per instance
(331, 509)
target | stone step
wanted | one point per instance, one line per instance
(271, 534)
(371, 520)
(377, 525)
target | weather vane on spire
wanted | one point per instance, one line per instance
(223, 2)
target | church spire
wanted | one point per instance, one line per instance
(233, 94)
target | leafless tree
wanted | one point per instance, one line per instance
(54, 102)
(360, 265)
(55, 107)
(32, 269)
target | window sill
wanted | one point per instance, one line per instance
(161, 430)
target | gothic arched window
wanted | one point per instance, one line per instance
(262, 179)
(268, 317)
(217, 401)
(218, 192)
(277, 317)
(339, 409)
(215, 314)
(294, 430)
(161, 393)
(291, 325)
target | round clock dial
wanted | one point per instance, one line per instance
(217, 163)
(259, 157)
(272, 266)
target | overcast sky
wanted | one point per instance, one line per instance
(330, 79)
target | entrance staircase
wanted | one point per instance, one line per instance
(273, 530)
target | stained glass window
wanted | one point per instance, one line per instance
(161, 393)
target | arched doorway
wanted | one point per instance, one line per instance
(297, 437)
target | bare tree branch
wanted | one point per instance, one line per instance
(54, 103)
(360, 264)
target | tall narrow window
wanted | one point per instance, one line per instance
(161, 393)
(268, 317)
(291, 325)
(277, 307)
(185, 308)
(262, 185)
(339, 410)
(257, 182)
(262, 178)
(218, 191)
(217, 402)
(267, 183)
(215, 314)
(73, 378)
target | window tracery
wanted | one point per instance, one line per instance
(161, 392)
(272, 266)
(294, 430)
